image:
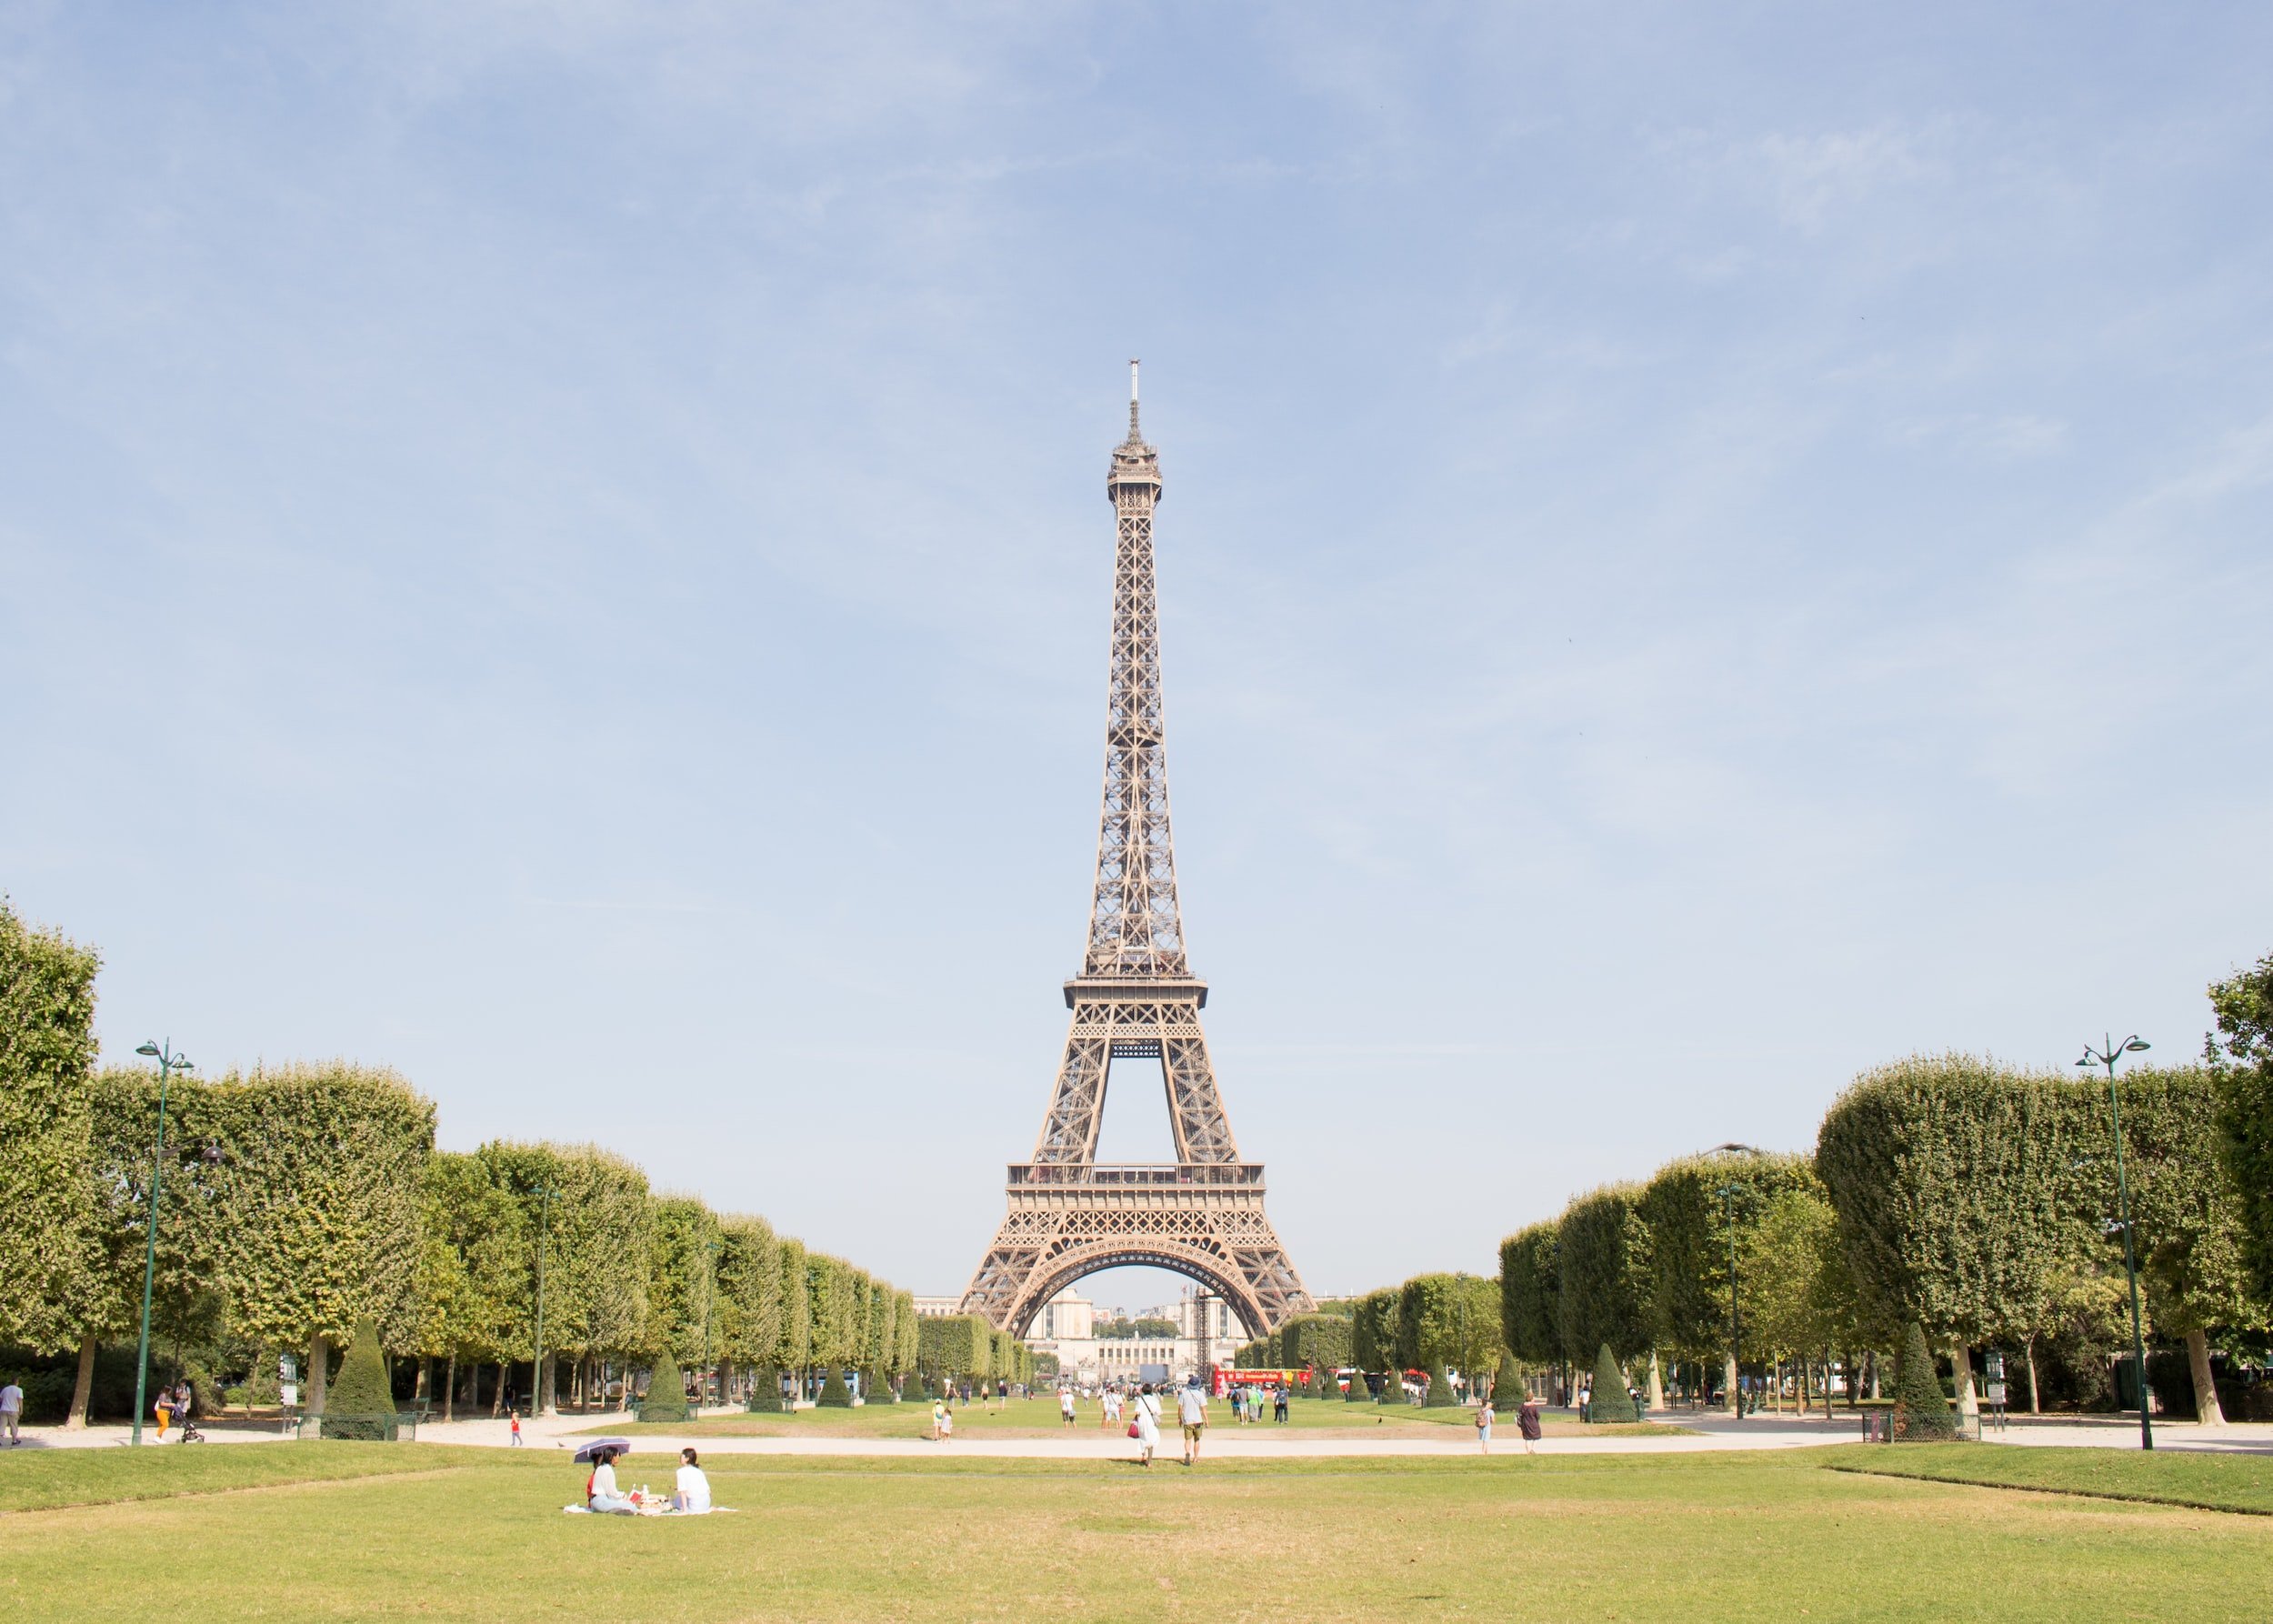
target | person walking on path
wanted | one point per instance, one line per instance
(516, 1437)
(11, 1410)
(1484, 1425)
(1066, 1404)
(1191, 1410)
(1278, 1402)
(1528, 1422)
(1147, 1425)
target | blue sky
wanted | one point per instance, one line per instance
(562, 548)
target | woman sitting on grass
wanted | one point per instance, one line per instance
(693, 1485)
(600, 1492)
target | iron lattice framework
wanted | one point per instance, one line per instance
(1135, 998)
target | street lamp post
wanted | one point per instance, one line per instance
(1727, 1194)
(2105, 1055)
(537, 1404)
(168, 1062)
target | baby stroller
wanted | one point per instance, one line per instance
(190, 1434)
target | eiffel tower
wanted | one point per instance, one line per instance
(1135, 998)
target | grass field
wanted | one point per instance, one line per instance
(1038, 1417)
(478, 1535)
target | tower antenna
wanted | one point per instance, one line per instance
(1132, 436)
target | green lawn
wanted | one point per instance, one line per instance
(1038, 1417)
(459, 1534)
(2168, 1476)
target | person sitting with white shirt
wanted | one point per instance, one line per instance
(694, 1486)
(600, 1491)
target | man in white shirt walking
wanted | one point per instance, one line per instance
(11, 1410)
(1191, 1409)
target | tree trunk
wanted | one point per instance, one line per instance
(320, 1367)
(1961, 1367)
(1873, 1357)
(449, 1388)
(82, 1389)
(498, 1399)
(2028, 1357)
(1733, 1399)
(545, 1404)
(422, 1387)
(1657, 1383)
(2206, 1409)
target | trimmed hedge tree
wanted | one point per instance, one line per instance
(666, 1393)
(1921, 1411)
(834, 1394)
(1611, 1401)
(361, 1403)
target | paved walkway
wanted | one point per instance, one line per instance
(1226, 1442)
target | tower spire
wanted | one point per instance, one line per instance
(1134, 438)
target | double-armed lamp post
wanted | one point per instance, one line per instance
(168, 1062)
(2106, 1055)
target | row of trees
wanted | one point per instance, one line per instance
(1435, 1323)
(955, 1348)
(1976, 1200)
(299, 1201)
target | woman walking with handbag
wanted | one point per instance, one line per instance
(1145, 1428)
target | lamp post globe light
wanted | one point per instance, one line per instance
(2106, 1055)
(169, 1062)
(1727, 1194)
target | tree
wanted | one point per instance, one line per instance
(684, 1242)
(666, 1392)
(2240, 1057)
(1375, 1336)
(907, 1335)
(1785, 1259)
(317, 1172)
(1950, 1175)
(1610, 1400)
(473, 1265)
(1921, 1413)
(749, 1293)
(361, 1403)
(50, 1256)
(1603, 1257)
(796, 1351)
(878, 1345)
(1530, 1294)
(2186, 1215)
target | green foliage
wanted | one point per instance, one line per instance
(474, 1261)
(1611, 1401)
(1689, 1207)
(1921, 1411)
(1439, 1392)
(360, 1402)
(955, 1345)
(749, 1290)
(1967, 1194)
(765, 1394)
(1318, 1340)
(1792, 1261)
(2240, 1054)
(796, 1351)
(51, 1256)
(1507, 1381)
(596, 1236)
(1376, 1328)
(1603, 1259)
(1531, 1294)
(907, 1334)
(666, 1392)
(684, 1243)
(834, 1394)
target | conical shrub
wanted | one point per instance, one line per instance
(834, 1394)
(666, 1393)
(1921, 1412)
(1440, 1394)
(765, 1397)
(360, 1402)
(1506, 1382)
(1357, 1393)
(1611, 1400)
(875, 1388)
